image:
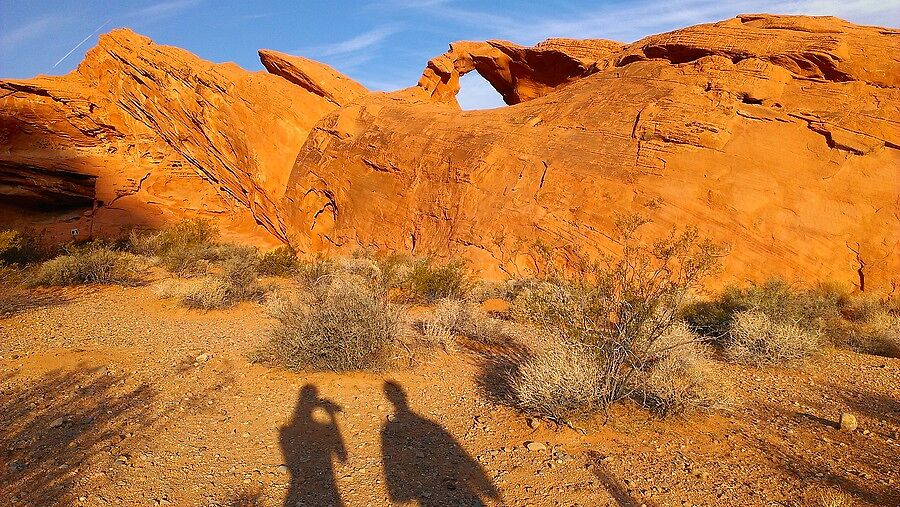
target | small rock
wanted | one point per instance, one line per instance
(391, 418)
(534, 423)
(202, 358)
(848, 422)
(283, 469)
(535, 446)
(56, 423)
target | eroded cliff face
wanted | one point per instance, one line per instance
(143, 135)
(775, 135)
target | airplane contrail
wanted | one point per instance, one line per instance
(82, 42)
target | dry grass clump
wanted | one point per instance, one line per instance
(452, 317)
(562, 383)
(92, 263)
(237, 282)
(344, 324)
(878, 334)
(188, 247)
(309, 272)
(679, 378)
(756, 339)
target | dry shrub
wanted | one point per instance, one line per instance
(679, 378)
(363, 267)
(93, 263)
(395, 268)
(828, 497)
(484, 290)
(281, 261)
(777, 299)
(310, 272)
(562, 383)
(755, 339)
(878, 334)
(452, 317)
(237, 282)
(621, 307)
(344, 324)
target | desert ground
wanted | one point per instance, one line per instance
(114, 396)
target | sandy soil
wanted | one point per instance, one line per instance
(111, 396)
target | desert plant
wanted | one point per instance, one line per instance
(347, 325)
(310, 272)
(17, 247)
(562, 383)
(620, 307)
(878, 333)
(237, 282)
(430, 282)
(755, 339)
(452, 317)
(92, 263)
(363, 267)
(395, 268)
(281, 261)
(188, 247)
(777, 299)
(678, 376)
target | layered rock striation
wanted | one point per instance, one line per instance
(775, 135)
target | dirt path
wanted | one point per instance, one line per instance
(111, 396)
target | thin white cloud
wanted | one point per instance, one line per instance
(27, 32)
(360, 42)
(162, 10)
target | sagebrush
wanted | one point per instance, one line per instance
(341, 324)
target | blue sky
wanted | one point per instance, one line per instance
(383, 44)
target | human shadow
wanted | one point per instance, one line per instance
(309, 444)
(424, 463)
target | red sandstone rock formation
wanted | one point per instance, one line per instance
(318, 78)
(775, 134)
(142, 134)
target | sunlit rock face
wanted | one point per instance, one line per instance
(776, 135)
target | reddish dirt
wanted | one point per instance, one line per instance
(111, 396)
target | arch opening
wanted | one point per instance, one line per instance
(476, 93)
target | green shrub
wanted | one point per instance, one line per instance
(95, 263)
(186, 248)
(281, 261)
(345, 325)
(756, 339)
(777, 299)
(395, 269)
(17, 247)
(429, 282)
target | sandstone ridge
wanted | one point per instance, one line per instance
(774, 134)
